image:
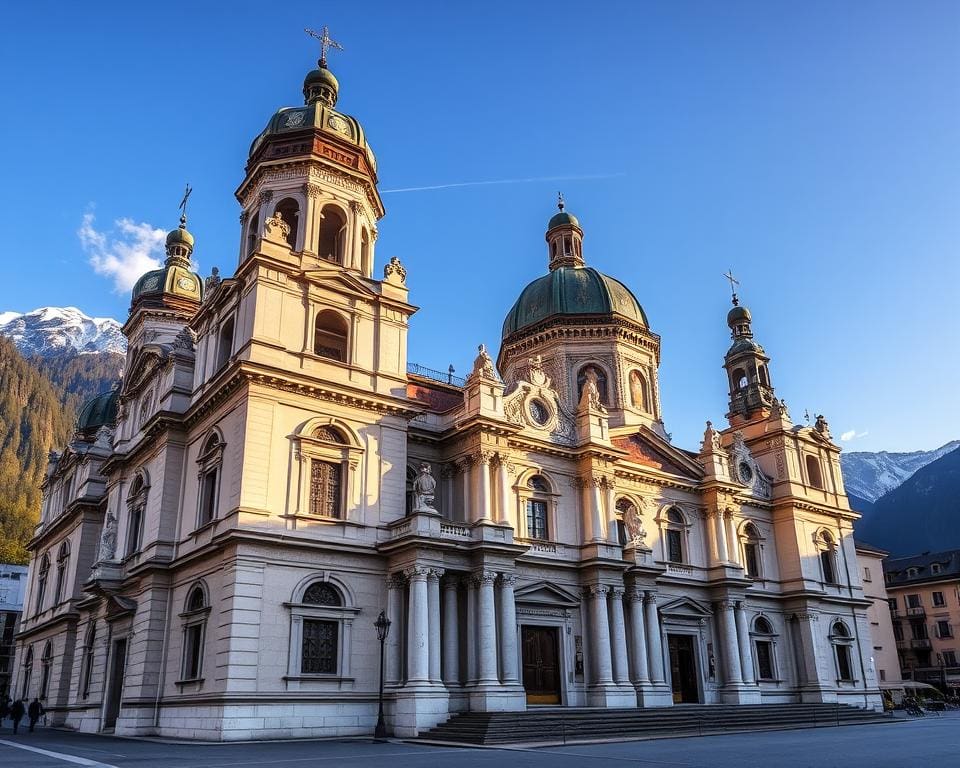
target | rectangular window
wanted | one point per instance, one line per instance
(950, 658)
(765, 659)
(944, 629)
(752, 561)
(897, 631)
(537, 519)
(208, 496)
(913, 601)
(883, 675)
(192, 648)
(319, 650)
(938, 599)
(919, 630)
(866, 574)
(136, 527)
(675, 546)
(892, 602)
(826, 563)
(324, 488)
(843, 662)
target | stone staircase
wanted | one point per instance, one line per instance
(561, 725)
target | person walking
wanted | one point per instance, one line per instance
(34, 711)
(16, 714)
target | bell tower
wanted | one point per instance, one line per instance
(748, 369)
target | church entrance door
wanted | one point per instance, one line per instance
(683, 669)
(541, 664)
(115, 689)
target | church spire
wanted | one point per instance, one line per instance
(747, 366)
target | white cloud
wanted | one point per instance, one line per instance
(852, 434)
(124, 253)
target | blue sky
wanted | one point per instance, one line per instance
(812, 147)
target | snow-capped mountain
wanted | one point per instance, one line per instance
(871, 475)
(50, 331)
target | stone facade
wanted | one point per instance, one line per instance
(273, 478)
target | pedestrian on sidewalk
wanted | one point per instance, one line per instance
(34, 711)
(16, 714)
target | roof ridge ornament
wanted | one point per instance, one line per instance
(326, 43)
(560, 202)
(183, 206)
(733, 286)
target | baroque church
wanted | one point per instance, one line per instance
(219, 537)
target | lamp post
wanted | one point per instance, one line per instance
(383, 629)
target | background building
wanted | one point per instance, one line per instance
(884, 655)
(219, 537)
(13, 583)
(924, 602)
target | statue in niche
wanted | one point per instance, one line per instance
(632, 521)
(108, 539)
(424, 489)
(590, 397)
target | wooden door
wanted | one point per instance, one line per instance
(115, 688)
(683, 669)
(541, 664)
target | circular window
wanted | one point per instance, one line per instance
(539, 412)
(746, 474)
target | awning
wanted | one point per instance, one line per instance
(907, 685)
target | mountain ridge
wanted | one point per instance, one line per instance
(50, 331)
(871, 475)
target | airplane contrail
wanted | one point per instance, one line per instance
(504, 181)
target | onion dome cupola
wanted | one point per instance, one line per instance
(99, 411)
(747, 366)
(584, 325)
(174, 285)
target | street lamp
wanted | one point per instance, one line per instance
(383, 629)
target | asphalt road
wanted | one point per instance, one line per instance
(926, 741)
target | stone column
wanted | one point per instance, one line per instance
(721, 535)
(418, 627)
(469, 509)
(597, 501)
(484, 499)
(732, 548)
(743, 639)
(433, 596)
(509, 671)
(486, 629)
(727, 628)
(599, 635)
(472, 653)
(618, 637)
(451, 633)
(638, 638)
(713, 554)
(610, 503)
(355, 260)
(654, 643)
(448, 474)
(503, 485)
(310, 219)
(395, 585)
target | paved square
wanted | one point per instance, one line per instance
(926, 741)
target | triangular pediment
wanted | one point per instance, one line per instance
(545, 593)
(684, 608)
(647, 447)
(144, 364)
(337, 279)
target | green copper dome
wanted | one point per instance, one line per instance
(562, 218)
(572, 291)
(174, 279)
(97, 412)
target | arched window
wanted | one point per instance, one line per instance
(365, 264)
(626, 510)
(211, 465)
(136, 506)
(739, 378)
(326, 479)
(333, 228)
(751, 551)
(411, 478)
(762, 372)
(225, 343)
(813, 471)
(321, 629)
(764, 639)
(289, 211)
(842, 641)
(330, 336)
(42, 575)
(601, 379)
(194, 616)
(639, 393)
(63, 561)
(827, 549)
(326, 486)
(27, 674)
(46, 661)
(89, 652)
(676, 526)
(538, 508)
(253, 233)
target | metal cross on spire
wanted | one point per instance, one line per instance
(733, 285)
(326, 43)
(183, 205)
(560, 200)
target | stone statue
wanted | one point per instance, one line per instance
(483, 365)
(108, 539)
(424, 488)
(104, 438)
(276, 230)
(711, 440)
(634, 525)
(211, 282)
(821, 426)
(394, 271)
(186, 338)
(590, 397)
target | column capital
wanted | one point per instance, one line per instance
(483, 456)
(596, 591)
(434, 574)
(265, 196)
(649, 598)
(725, 604)
(449, 469)
(616, 593)
(312, 190)
(507, 580)
(417, 573)
(481, 577)
(634, 594)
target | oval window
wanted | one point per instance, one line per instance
(539, 412)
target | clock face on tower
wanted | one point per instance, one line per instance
(745, 473)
